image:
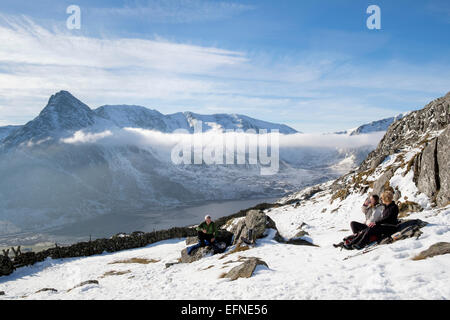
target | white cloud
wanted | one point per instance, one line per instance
(176, 11)
(28, 43)
(86, 137)
(309, 91)
(165, 141)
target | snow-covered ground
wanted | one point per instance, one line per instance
(295, 272)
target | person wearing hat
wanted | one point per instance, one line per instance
(206, 232)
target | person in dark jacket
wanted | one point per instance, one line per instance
(386, 226)
(206, 232)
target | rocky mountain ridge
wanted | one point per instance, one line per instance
(417, 144)
(64, 114)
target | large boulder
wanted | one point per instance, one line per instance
(382, 183)
(443, 163)
(427, 180)
(195, 255)
(432, 169)
(191, 240)
(255, 220)
(246, 269)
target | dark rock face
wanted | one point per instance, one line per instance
(6, 266)
(246, 269)
(427, 175)
(432, 169)
(443, 164)
(435, 250)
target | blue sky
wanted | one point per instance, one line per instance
(311, 64)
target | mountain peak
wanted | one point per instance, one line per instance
(63, 114)
(64, 102)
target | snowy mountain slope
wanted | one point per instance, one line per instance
(6, 131)
(324, 211)
(65, 114)
(72, 163)
(374, 126)
(141, 117)
(295, 272)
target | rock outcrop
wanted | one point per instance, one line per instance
(426, 130)
(432, 169)
(255, 220)
(434, 116)
(434, 250)
(443, 163)
(195, 254)
(84, 283)
(382, 183)
(246, 269)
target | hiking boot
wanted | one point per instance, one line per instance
(338, 245)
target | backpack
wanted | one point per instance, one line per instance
(408, 232)
(219, 247)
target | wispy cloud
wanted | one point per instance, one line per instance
(309, 90)
(164, 142)
(176, 11)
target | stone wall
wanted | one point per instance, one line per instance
(89, 248)
(115, 243)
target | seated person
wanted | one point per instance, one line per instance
(373, 210)
(386, 226)
(206, 232)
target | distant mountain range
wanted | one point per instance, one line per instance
(65, 114)
(48, 181)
